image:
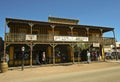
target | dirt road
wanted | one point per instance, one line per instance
(45, 71)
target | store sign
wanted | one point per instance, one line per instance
(31, 37)
(70, 38)
(96, 44)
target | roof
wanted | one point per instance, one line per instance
(14, 20)
(63, 20)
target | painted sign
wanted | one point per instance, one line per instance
(31, 37)
(70, 38)
(96, 44)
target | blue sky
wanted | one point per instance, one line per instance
(89, 12)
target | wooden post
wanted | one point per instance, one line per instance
(31, 49)
(72, 52)
(115, 45)
(87, 31)
(31, 45)
(102, 46)
(72, 45)
(49, 53)
(53, 46)
(4, 56)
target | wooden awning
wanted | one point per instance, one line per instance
(24, 21)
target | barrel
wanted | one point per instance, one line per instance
(4, 67)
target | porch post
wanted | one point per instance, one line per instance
(101, 30)
(87, 29)
(115, 44)
(53, 45)
(4, 56)
(31, 45)
(102, 45)
(72, 52)
(71, 28)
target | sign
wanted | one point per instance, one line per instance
(70, 38)
(96, 44)
(31, 37)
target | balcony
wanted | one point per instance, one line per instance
(18, 37)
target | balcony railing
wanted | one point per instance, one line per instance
(18, 37)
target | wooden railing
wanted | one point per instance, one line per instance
(103, 40)
(18, 37)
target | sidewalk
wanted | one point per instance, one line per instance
(62, 64)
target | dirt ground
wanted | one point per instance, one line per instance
(40, 71)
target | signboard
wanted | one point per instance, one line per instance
(31, 37)
(81, 38)
(70, 38)
(96, 44)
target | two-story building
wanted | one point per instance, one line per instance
(62, 40)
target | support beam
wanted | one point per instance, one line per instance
(53, 31)
(87, 29)
(53, 46)
(72, 52)
(4, 56)
(115, 45)
(31, 44)
(72, 45)
(31, 26)
(31, 49)
(102, 45)
(101, 30)
(71, 28)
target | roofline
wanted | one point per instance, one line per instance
(49, 23)
(63, 18)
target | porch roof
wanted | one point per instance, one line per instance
(24, 21)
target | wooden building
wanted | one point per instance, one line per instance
(60, 38)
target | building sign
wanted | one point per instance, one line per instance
(31, 37)
(96, 44)
(70, 38)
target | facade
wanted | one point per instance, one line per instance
(62, 40)
(111, 48)
(117, 46)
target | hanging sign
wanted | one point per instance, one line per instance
(96, 44)
(31, 37)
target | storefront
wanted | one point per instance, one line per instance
(61, 42)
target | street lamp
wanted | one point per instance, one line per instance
(23, 50)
